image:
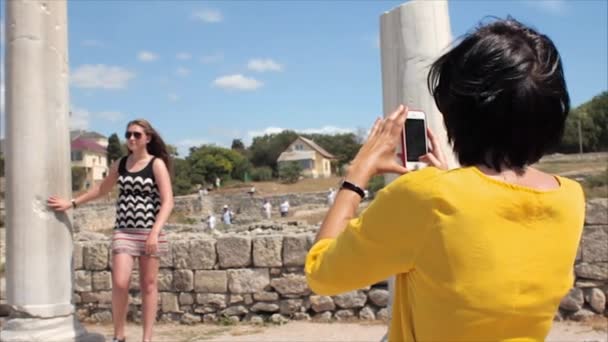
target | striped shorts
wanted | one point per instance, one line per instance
(133, 242)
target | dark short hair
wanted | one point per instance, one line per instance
(502, 94)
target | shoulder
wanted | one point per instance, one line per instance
(159, 165)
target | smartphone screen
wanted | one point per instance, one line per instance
(415, 139)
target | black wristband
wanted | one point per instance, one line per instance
(352, 187)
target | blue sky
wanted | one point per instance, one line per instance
(208, 72)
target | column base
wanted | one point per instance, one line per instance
(66, 328)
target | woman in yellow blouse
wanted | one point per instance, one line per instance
(483, 252)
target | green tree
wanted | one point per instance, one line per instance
(237, 144)
(182, 185)
(210, 161)
(79, 175)
(593, 118)
(265, 150)
(289, 172)
(114, 149)
(172, 150)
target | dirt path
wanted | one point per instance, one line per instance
(306, 331)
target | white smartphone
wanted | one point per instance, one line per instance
(414, 141)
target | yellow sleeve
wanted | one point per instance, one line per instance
(384, 240)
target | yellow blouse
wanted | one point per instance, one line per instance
(476, 259)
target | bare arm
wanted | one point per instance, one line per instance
(60, 204)
(163, 181)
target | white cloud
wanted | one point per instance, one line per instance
(110, 116)
(172, 97)
(183, 72)
(208, 16)
(265, 131)
(183, 56)
(147, 56)
(216, 57)
(92, 43)
(549, 6)
(262, 65)
(79, 118)
(237, 82)
(183, 146)
(101, 76)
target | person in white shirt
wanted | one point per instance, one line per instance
(211, 221)
(331, 196)
(284, 208)
(267, 209)
(227, 215)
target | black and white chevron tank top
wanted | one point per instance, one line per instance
(138, 197)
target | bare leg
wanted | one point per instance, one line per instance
(122, 265)
(148, 274)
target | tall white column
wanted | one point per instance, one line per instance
(412, 37)
(39, 242)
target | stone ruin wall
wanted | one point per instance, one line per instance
(256, 274)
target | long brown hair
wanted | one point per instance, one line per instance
(156, 146)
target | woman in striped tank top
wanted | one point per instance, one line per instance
(144, 203)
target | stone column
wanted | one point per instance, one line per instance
(38, 241)
(412, 37)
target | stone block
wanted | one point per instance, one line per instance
(181, 254)
(266, 296)
(295, 248)
(597, 271)
(186, 298)
(322, 303)
(595, 244)
(237, 310)
(264, 307)
(203, 255)
(596, 299)
(291, 284)
(290, 306)
(183, 280)
(267, 251)
(190, 319)
(77, 257)
(95, 256)
(210, 281)
(344, 314)
(248, 280)
(596, 211)
(102, 280)
(352, 299)
(379, 297)
(165, 280)
(169, 302)
(367, 314)
(82, 281)
(215, 300)
(573, 301)
(234, 251)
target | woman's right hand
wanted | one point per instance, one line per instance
(436, 157)
(58, 203)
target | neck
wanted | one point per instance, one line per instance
(140, 155)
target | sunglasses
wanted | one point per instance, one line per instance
(136, 135)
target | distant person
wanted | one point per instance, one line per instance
(218, 182)
(331, 196)
(211, 221)
(251, 191)
(227, 215)
(267, 209)
(284, 208)
(479, 253)
(145, 201)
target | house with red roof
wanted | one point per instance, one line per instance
(88, 150)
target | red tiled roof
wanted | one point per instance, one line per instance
(80, 144)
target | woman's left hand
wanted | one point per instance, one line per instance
(377, 155)
(151, 244)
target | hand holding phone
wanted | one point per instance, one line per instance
(414, 142)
